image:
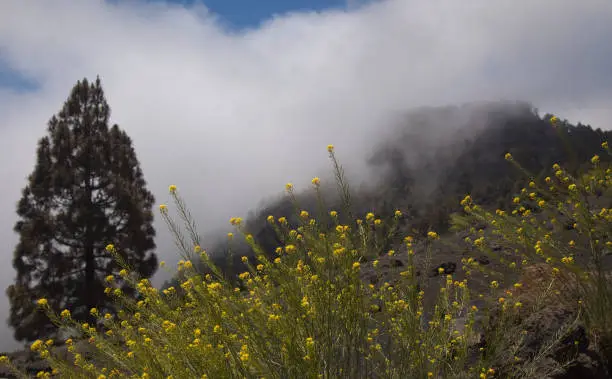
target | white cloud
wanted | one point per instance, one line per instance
(230, 116)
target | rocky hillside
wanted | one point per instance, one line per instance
(433, 159)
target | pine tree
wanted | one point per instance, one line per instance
(87, 190)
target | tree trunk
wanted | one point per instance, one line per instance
(90, 269)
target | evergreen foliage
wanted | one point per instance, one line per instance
(86, 191)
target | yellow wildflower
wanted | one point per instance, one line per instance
(36, 345)
(244, 353)
(309, 342)
(567, 260)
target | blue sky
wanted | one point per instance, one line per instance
(236, 14)
(12, 80)
(250, 13)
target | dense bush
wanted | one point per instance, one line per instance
(305, 309)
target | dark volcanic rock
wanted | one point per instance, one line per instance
(555, 342)
(448, 267)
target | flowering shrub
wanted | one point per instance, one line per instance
(305, 310)
(563, 226)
